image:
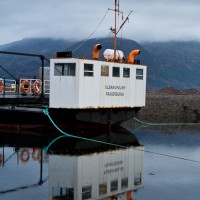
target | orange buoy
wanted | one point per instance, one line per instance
(25, 87)
(24, 156)
(37, 87)
(1, 86)
(36, 154)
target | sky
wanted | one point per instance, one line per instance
(150, 20)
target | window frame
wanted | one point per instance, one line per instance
(87, 192)
(139, 75)
(88, 72)
(114, 185)
(105, 70)
(116, 73)
(67, 69)
(128, 70)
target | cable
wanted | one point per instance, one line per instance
(73, 136)
(165, 124)
(171, 156)
(91, 33)
(107, 143)
(147, 124)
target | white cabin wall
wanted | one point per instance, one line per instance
(76, 172)
(89, 93)
(140, 89)
(138, 170)
(97, 91)
(124, 100)
(114, 101)
(131, 96)
(62, 172)
(63, 89)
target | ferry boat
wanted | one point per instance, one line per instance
(104, 92)
(97, 90)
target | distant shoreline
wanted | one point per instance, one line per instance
(171, 105)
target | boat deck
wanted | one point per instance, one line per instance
(23, 100)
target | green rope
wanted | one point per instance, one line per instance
(46, 112)
(165, 124)
(46, 148)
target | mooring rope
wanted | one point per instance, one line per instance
(166, 124)
(46, 112)
(147, 124)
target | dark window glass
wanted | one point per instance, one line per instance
(86, 192)
(65, 69)
(126, 72)
(114, 185)
(116, 72)
(139, 74)
(88, 69)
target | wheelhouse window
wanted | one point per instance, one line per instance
(62, 193)
(102, 189)
(86, 192)
(138, 179)
(114, 185)
(104, 70)
(65, 69)
(116, 71)
(88, 69)
(124, 183)
(139, 74)
(126, 72)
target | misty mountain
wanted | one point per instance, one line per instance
(177, 63)
(23, 66)
(173, 64)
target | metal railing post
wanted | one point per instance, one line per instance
(42, 93)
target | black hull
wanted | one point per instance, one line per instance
(71, 120)
(98, 116)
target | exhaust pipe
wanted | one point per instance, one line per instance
(96, 50)
(132, 55)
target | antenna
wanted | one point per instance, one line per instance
(115, 35)
(123, 23)
(114, 30)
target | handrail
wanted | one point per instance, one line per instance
(12, 87)
(42, 57)
(25, 54)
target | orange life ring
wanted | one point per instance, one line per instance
(37, 87)
(1, 86)
(25, 87)
(24, 156)
(36, 154)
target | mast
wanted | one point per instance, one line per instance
(114, 30)
(115, 35)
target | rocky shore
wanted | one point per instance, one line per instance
(171, 105)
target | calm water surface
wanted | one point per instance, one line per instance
(166, 167)
(167, 177)
(20, 179)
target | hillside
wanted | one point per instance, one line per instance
(174, 64)
(28, 66)
(177, 63)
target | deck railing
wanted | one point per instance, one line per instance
(25, 87)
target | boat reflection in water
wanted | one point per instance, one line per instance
(73, 168)
(23, 172)
(97, 171)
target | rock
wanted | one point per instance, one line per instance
(171, 105)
